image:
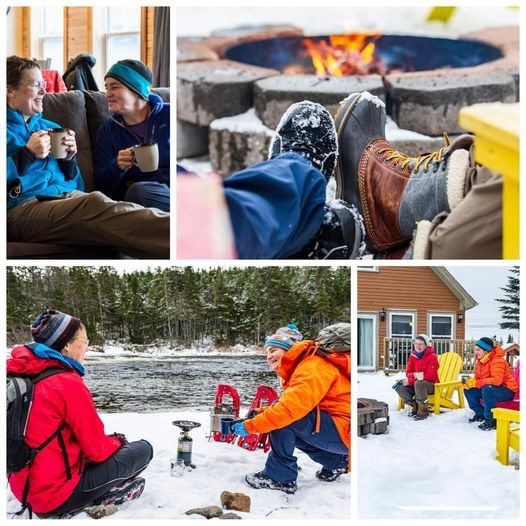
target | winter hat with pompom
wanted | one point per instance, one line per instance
(285, 337)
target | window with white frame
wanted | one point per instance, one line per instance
(441, 326)
(123, 34)
(401, 325)
(51, 42)
(401, 330)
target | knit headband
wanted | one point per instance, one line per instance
(129, 77)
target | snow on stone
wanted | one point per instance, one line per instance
(247, 122)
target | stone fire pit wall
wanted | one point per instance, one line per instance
(229, 109)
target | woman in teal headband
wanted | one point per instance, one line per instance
(139, 116)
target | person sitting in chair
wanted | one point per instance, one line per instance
(421, 376)
(493, 382)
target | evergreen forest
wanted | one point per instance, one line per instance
(179, 305)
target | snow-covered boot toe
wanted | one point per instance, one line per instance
(307, 128)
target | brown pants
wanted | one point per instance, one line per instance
(417, 392)
(473, 230)
(92, 219)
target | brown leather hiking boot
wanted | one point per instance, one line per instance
(423, 412)
(393, 191)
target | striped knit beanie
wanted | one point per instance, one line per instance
(285, 337)
(133, 74)
(486, 344)
(54, 329)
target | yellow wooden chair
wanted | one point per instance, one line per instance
(449, 366)
(508, 433)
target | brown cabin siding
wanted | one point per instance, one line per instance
(406, 289)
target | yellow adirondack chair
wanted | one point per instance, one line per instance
(508, 433)
(449, 366)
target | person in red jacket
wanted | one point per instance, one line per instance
(493, 382)
(421, 375)
(81, 465)
(312, 414)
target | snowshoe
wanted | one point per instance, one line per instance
(264, 397)
(226, 404)
(260, 481)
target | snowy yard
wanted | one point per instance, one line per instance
(441, 467)
(219, 467)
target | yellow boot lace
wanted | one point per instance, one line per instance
(424, 159)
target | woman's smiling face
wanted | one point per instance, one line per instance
(274, 355)
(27, 96)
(121, 99)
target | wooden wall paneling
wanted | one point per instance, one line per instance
(147, 30)
(78, 32)
(23, 17)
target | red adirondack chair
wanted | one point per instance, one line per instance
(515, 403)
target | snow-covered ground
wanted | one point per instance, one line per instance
(219, 467)
(441, 467)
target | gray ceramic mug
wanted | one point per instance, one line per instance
(146, 157)
(58, 149)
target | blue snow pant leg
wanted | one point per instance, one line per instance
(100, 477)
(491, 394)
(275, 206)
(150, 194)
(326, 447)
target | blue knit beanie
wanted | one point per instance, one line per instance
(133, 74)
(285, 337)
(486, 344)
(54, 329)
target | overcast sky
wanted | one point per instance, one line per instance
(483, 284)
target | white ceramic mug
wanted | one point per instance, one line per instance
(58, 149)
(146, 157)
(419, 375)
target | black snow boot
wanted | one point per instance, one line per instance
(339, 237)
(307, 128)
(129, 490)
(260, 481)
(329, 475)
(476, 418)
(488, 424)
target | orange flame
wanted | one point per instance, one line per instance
(345, 55)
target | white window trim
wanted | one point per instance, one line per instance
(373, 317)
(402, 313)
(371, 268)
(445, 315)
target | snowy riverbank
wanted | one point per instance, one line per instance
(219, 467)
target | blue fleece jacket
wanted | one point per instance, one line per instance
(28, 176)
(114, 135)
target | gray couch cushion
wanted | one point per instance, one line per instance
(67, 110)
(96, 112)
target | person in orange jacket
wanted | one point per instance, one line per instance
(493, 382)
(312, 414)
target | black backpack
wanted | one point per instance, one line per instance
(19, 398)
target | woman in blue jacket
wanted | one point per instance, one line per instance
(138, 117)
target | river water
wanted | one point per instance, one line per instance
(174, 383)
